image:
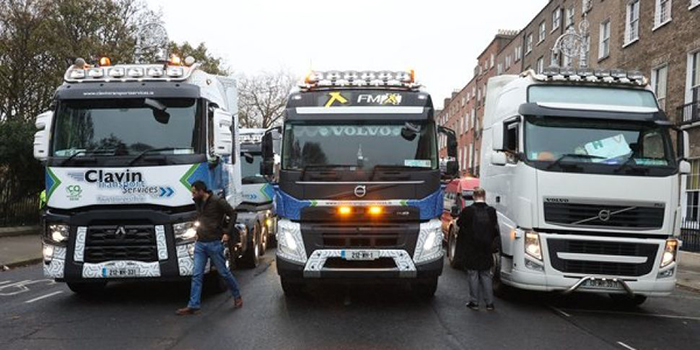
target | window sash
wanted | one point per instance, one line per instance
(543, 31)
(556, 18)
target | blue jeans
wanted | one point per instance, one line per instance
(214, 251)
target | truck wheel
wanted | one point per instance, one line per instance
(252, 253)
(263, 239)
(452, 248)
(628, 301)
(499, 288)
(425, 289)
(291, 288)
(86, 288)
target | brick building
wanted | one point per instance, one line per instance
(658, 37)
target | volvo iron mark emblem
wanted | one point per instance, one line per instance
(604, 215)
(360, 191)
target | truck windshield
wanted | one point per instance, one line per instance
(250, 168)
(602, 143)
(362, 145)
(126, 127)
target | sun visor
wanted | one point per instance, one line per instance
(80, 91)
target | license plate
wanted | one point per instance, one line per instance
(120, 272)
(601, 284)
(360, 255)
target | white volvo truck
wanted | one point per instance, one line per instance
(122, 145)
(583, 171)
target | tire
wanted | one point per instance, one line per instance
(291, 288)
(425, 289)
(499, 288)
(627, 301)
(87, 288)
(251, 257)
(452, 248)
(263, 239)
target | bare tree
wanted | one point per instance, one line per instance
(262, 98)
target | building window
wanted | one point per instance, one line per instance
(556, 18)
(659, 79)
(663, 13)
(604, 47)
(499, 71)
(586, 5)
(570, 13)
(693, 81)
(528, 48)
(493, 60)
(508, 61)
(518, 53)
(692, 212)
(568, 61)
(632, 23)
(543, 32)
(540, 65)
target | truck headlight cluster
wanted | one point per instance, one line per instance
(532, 245)
(57, 233)
(185, 232)
(670, 250)
(290, 244)
(429, 245)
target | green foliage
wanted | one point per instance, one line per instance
(210, 64)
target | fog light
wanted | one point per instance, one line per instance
(667, 273)
(344, 210)
(48, 252)
(375, 210)
(533, 265)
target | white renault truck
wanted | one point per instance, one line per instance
(582, 168)
(122, 145)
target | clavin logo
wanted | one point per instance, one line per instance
(114, 179)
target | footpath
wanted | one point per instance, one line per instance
(22, 246)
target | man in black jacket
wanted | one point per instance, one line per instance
(478, 229)
(210, 244)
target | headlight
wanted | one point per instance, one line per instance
(47, 252)
(290, 245)
(58, 232)
(670, 250)
(185, 232)
(429, 245)
(532, 245)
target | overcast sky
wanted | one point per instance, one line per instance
(440, 39)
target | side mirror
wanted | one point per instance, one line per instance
(42, 137)
(497, 137)
(223, 137)
(267, 166)
(454, 211)
(452, 166)
(684, 144)
(452, 169)
(684, 167)
(498, 158)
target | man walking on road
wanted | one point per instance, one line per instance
(210, 244)
(478, 228)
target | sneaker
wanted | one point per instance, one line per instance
(490, 307)
(473, 306)
(186, 311)
(238, 303)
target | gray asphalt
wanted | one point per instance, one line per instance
(38, 314)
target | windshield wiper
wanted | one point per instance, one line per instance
(392, 167)
(86, 152)
(324, 166)
(572, 155)
(140, 155)
(628, 164)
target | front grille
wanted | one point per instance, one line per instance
(359, 239)
(354, 235)
(381, 263)
(604, 215)
(601, 248)
(109, 242)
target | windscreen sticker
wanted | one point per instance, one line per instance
(417, 163)
(611, 147)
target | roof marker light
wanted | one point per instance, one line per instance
(618, 73)
(175, 60)
(95, 73)
(77, 74)
(175, 71)
(189, 60)
(135, 72)
(155, 72)
(116, 72)
(105, 61)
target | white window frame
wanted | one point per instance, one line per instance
(499, 69)
(493, 60)
(542, 32)
(694, 166)
(659, 21)
(528, 42)
(508, 61)
(660, 95)
(586, 5)
(540, 65)
(604, 41)
(570, 16)
(693, 71)
(632, 22)
(694, 4)
(556, 19)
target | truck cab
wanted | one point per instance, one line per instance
(359, 195)
(121, 146)
(582, 168)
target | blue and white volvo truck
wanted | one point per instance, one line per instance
(582, 168)
(122, 145)
(359, 195)
(256, 210)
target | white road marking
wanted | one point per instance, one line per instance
(3, 282)
(43, 297)
(675, 317)
(21, 287)
(626, 346)
(559, 311)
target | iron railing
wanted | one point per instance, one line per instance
(690, 112)
(690, 235)
(20, 210)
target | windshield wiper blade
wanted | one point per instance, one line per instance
(392, 167)
(628, 164)
(324, 166)
(572, 155)
(140, 155)
(86, 152)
